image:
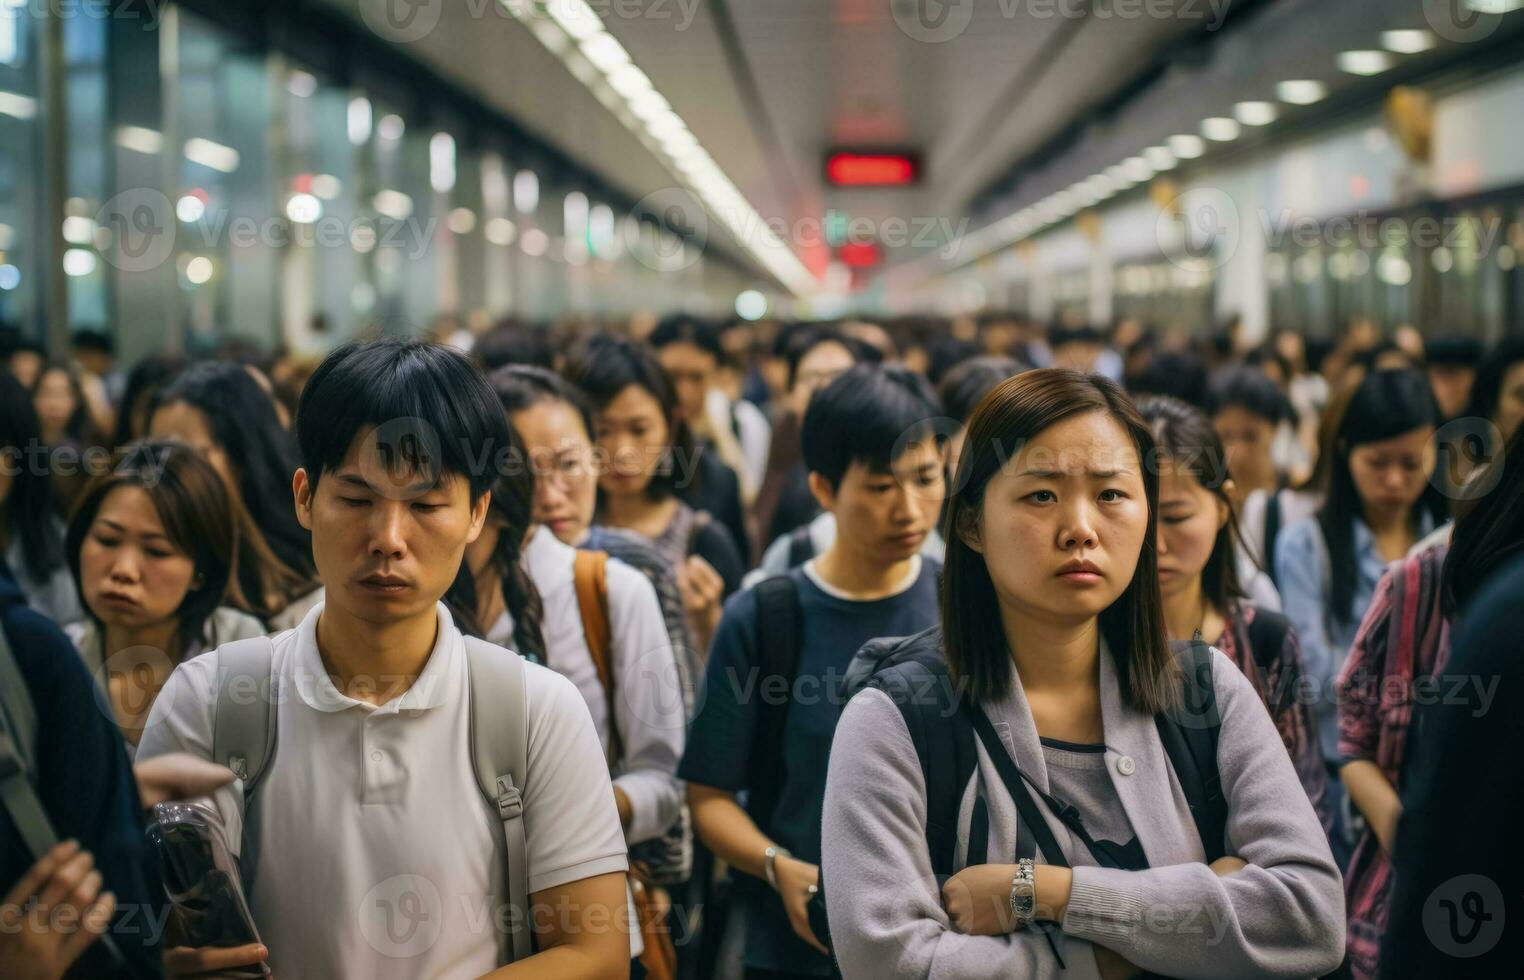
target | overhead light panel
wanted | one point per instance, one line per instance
(1221, 129)
(1256, 113)
(1187, 147)
(1365, 63)
(1409, 42)
(211, 154)
(1301, 92)
(1160, 158)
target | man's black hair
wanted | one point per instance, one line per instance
(512, 341)
(429, 402)
(947, 352)
(868, 415)
(1452, 351)
(683, 328)
(1250, 389)
(93, 338)
(965, 386)
(1179, 374)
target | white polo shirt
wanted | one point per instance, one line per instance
(378, 856)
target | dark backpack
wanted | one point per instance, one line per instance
(942, 725)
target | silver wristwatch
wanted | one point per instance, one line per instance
(1024, 892)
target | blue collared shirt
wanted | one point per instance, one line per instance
(1302, 572)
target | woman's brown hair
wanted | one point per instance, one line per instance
(193, 504)
(1133, 626)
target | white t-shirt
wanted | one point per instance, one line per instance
(378, 856)
(649, 699)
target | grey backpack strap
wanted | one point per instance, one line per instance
(499, 719)
(18, 757)
(243, 727)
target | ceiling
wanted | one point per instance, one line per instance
(767, 86)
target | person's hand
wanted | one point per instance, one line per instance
(795, 879)
(41, 941)
(178, 776)
(1113, 965)
(701, 586)
(182, 961)
(1227, 864)
(978, 900)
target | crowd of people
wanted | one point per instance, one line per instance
(682, 649)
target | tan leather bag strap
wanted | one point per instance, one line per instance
(590, 574)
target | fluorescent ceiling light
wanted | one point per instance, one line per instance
(1137, 169)
(359, 121)
(1301, 92)
(629, 81)
(17, 106)
(605, 52)
(1220, 129)
(1408, 42)
(1187, 147)
(393, 204)
(574, 17)
(210, 154)
(1495, 6)
(1256, 113)
(1160, 158)
(140, 140)
(1365, 63)
(603, 65)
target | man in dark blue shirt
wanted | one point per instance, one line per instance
(876, 462)
(86, 787)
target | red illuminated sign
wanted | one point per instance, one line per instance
(846, 169)
(859, 255)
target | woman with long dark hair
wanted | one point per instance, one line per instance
(647, 454)
(1052, 688)
(1204, 596)
(63, 415)
(151, 548)
(219, 409)
(1380, 502)
(1403, 643)
(31, 532)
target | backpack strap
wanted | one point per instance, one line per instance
(1267, 638)
(590, 575)
(944, 747)
(18, 757)
(778, 641)
(243, 727)
(1272, 532)
(1190, 741)
(801, 548)
(499, 719)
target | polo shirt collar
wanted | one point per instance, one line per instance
(430, 690)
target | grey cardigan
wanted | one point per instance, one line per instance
(1282, 916)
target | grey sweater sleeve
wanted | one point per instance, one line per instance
(1282, 916)
(884, 902)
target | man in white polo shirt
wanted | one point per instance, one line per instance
(376, 853)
